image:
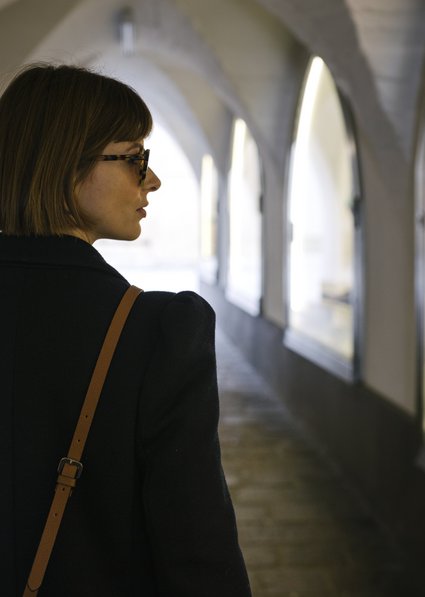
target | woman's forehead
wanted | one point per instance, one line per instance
(124, 146)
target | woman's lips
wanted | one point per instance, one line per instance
(141, 212)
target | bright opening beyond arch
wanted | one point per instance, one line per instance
(321, 198)
(166, 255)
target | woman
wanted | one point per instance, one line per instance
(151, 514)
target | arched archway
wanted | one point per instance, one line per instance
(323, 208)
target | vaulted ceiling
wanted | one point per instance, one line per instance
(198, 61)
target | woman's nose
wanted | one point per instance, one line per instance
(151, 182)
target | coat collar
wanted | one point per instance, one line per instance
(52, 251)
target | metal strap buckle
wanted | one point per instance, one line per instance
(71, 462)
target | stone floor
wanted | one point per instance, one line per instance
(303, 532)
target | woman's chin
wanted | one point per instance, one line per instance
(135, 234)
(128, 234)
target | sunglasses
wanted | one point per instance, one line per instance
(138, 159)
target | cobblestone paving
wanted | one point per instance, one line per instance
(302, 531)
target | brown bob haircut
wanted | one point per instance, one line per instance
(54, 121)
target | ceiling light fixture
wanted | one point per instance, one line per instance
(126, 31)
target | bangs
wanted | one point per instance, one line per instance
(120, 115)
(131, 119)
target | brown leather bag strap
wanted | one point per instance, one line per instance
(70, 468)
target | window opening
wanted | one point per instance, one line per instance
(244, 275)
(209, 214)
(323, 212)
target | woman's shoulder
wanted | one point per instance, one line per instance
(186, 301)
(180, 311)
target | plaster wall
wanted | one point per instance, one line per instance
(23, 23)
(391, 34)
(389, 327)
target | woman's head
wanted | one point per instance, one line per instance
(54, 123)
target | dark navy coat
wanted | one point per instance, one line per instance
(151, 514)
